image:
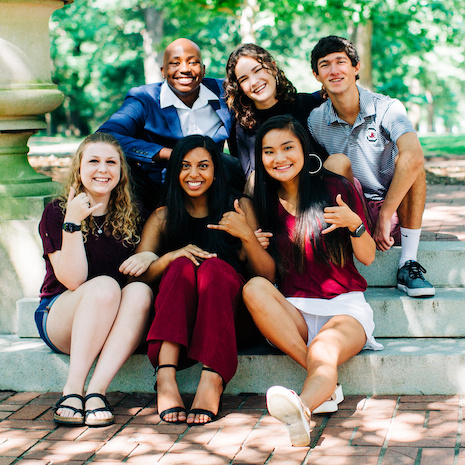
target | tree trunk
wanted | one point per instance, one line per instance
(152, 35)
(247, 21)
(414, 109)
(430, 110)
(363, 43)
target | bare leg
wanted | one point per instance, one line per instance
(207, 396)
(410, 210)
(339, 339)
(168, 394)
(124, 337)
(279, 321)
(250, 185)
(340, 164)
(78, 324)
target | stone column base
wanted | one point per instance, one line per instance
(23, 269)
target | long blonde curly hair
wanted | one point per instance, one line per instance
(123, 220)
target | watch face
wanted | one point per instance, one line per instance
(71, 227)
(360, 230)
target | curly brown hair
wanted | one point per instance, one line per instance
(243, 107)
(123, 220)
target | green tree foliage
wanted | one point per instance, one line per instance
(96, 52)
(97, 46)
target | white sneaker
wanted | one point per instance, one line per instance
(331, 405)
(286, 406)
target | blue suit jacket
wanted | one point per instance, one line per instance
(143, 128)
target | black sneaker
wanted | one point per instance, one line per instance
(410, 280)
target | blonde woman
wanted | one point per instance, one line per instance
(87, 310)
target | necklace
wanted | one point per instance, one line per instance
(100, 226)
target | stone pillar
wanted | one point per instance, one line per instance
(26, 94)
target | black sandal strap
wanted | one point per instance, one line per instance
(102, 398)
(100, 409)
(167, 366)
(204, 368)
(201, 411)
(209, 369)
(172, 410)
(60, 404)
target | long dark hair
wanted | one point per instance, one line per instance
(176, 229)
(313, 198)
(243, 107)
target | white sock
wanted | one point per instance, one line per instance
(409, 240)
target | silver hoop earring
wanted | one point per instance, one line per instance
(320, 163)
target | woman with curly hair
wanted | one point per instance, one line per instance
(87, 310)
(257, 89)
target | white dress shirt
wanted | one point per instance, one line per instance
(200, 119)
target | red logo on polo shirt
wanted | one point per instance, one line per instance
(372, 135)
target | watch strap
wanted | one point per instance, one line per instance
(71, 227)
(358, 232)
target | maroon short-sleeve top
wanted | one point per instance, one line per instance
(321, 280)
(104, 253)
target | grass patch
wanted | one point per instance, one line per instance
(444, 145)
(38, 140)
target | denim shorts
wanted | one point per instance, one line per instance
(40, 317)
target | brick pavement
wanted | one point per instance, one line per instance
(379, 430)
(444, 216)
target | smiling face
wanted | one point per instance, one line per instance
(183, 69)
(256, 81)
(100, 169)
(197, 172)
(336, 73)
(282, 155)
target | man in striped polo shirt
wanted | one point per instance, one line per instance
(384, 151)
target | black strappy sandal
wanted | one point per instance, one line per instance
(208, 413)
(97, 422)
(173, 409)
(69, 421)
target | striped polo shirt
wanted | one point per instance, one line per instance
(370, 143)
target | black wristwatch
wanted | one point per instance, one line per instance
(358, 232)
(71, 227)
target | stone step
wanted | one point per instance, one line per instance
(395, 314)
(443, 260)
(406, 366)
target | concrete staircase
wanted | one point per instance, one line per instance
(423, 339)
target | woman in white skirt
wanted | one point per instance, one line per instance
(317, 314)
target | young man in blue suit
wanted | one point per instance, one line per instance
(154, 117)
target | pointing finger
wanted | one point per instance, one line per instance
(215, 226)
(328, 230)
(71, 194)
(339, 200)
